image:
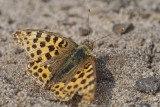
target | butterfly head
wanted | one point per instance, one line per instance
(88, 46)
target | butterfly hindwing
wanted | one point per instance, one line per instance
(83, 81)
(40, 73)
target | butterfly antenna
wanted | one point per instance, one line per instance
(88, 24)
(120, 30)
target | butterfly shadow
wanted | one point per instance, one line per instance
(105, 82)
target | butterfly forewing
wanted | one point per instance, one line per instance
(43, 46)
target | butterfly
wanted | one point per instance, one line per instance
(59, 64)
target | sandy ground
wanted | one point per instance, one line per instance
(121, 60)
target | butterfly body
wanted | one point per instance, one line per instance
(80, 54)
(59, 63)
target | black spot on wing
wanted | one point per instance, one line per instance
(57, 93)
(34, 46)
(38, 35)
(57, 86)
(69, 87)
(47, 38)
(61, 88)
(78, 72)
(51, 48)
(28, 33)
(35, 67)
(90, 70)
(45, 67)
(76, 86)
(39, 59)
(36, 74)
(55, 39)
(83, 81)
(48, 56)
(66, 44)
(81, 75)
(61, 43)
(86, 66)
(44, 75)
(31, 64)
(28, 48)
(25, 38)
(39, 52)
(42, 44)
(40, 70)
(35, 40)
(32, 55)
(56, 52)
(73, 79)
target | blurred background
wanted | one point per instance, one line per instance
(122, 59)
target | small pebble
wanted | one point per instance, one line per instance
(20, 94)
(0, 54)
(10, 21)
(68, 23)
(145, 105)
(100, 43)
(84, 31)
(18, 50)
(47, 15)
(3, 38)
(127, 28)
(149, 84)
(126, 3)
(45, 1)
